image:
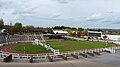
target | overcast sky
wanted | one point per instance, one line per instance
(74, 13)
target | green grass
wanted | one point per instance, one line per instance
(70, 46)
(78, 45)
(30, 49)
(88, 44)
(56, 45)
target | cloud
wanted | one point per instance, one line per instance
(22, 12)
(80, 12)
(11, 10)
(56, 15)
(63, 1)
(95, 17)
(117, 22)
(106, 17)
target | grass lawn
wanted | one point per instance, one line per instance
(88, 44)
(30, 49)
(56, 45)
(77, 45)
(63, 46)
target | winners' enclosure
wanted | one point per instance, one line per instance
(39, 47)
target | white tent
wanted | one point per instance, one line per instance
(60, 32)
(113, 37)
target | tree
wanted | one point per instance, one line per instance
(69, 31)
(18, 27)
(84, 32)
(73, 34)
(30, 27)
(50, 30)
(1, 24)
(80, 29)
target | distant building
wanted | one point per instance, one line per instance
(94, 34)
(53, 36)
(60, 32)
(113, 37)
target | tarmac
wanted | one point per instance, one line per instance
(71, 63)
(111, 59)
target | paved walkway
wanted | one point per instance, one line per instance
(111, 59)
(71, 63)
(105, 60)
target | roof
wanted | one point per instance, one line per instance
(94, 32)
(113, 37)
(60, 31)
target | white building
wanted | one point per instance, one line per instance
(60, 32)
(113, 37)
(94, 34)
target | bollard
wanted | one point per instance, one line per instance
(50, 58)
(91, 54)
(31, 59)
(65, 58)
(97, 53)
(75, 56)
(84, 55)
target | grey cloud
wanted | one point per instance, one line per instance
(96, 20)
(63, 1)
(106, 17)
(117, 22)
(95, 17)
(23, 12)
(33, 8)
(55, 11)
(105, 21)
(1, 4)
(18, 10)
(51, 19)
(57, 15)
